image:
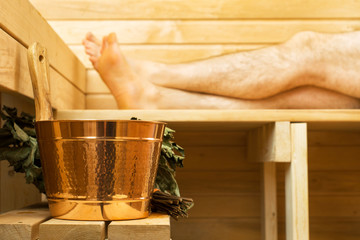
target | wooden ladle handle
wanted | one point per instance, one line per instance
(39, 72)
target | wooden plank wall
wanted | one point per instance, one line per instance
(20, 26)
(177, 31)
(225, 187)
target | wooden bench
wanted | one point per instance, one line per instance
(273, 136)
(34, 222)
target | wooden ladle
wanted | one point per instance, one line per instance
(39, 72)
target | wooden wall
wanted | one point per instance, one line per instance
(176, 31)
(20, 26)
(225, 187)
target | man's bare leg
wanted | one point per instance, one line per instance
(299, 98)
(330, 61)
(132, 90)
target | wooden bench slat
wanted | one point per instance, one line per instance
(23, 224)
(57, 229)
(155, 227)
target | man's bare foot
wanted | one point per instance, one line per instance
(128, 88)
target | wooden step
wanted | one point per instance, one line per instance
(34, 222)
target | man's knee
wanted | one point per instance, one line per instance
(304, 39)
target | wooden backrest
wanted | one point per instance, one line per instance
(21, 25)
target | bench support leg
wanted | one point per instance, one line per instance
(269, 205)
(269, 144)
(296, 185)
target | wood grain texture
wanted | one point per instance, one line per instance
(331, 229)
(155, 227)
(334, 158)
(334, 138)
(100, 101)
(322, 184)
(249, 228)
(217, 228)
(232, 205)
(24, 23)
(14, 70)
(15, 193)
(40, 78)
(24, 223)
(269, 214)
(234, 140)
(341, 119)
(203, 9)
(326, 174)
(203, 158)
(227, 206)
(269, 143)
(63, 93)
(57, 229)
(296, 186)
(95, 85)
(198, 32)
(15, 77)
(338, 183)
(222, 183)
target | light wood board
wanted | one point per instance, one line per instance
(269, 213)
(200, 9)
(296, 186)
(57, 229)
(198, 32)
(15, 76)
(24, 223)
(24, 23)
(204, 120)
(269, 143)
(155, 227)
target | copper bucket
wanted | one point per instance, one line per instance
(93, 169)
(99, 170)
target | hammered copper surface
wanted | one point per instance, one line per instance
(99, 170)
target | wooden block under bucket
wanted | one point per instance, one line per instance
(57, 229)
(23, 224)
(155, 227)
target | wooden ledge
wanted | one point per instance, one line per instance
(235, 119)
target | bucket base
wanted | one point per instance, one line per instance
(99, 210)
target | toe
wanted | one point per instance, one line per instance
(104, 44)
(112, 38)
(91, 37)
(85, 42)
